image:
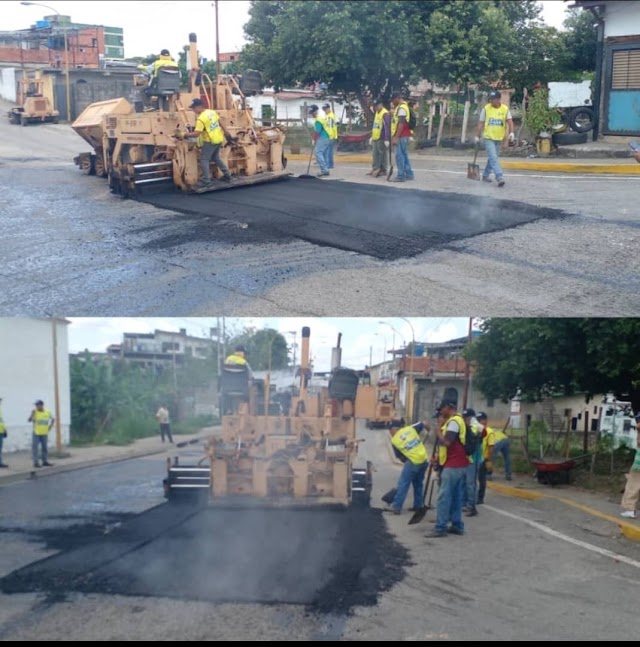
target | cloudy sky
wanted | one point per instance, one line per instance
(151, 26)
(362, 338)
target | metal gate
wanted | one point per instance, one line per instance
(622, 99)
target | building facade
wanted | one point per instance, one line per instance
(35, 368)
(617, 84)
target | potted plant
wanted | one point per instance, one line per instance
(540, 120)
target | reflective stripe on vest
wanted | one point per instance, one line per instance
(41, 421)
(378, 123)
(495, 122)
(407, 441)
(442, 450)
(395, 120)
(211, 129)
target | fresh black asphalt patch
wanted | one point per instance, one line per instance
(380, 221)
(327, 560)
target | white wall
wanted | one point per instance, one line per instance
(8, 84)
(26, 357)
(622, 19)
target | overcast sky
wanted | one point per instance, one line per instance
(152, 26)
(362, 338)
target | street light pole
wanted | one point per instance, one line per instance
(217, 41)
(66, 53)
(410, 394)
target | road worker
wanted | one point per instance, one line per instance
(380, 139)
(42, 421)
(210, 135)
(410, 449)
(163, 60)
(452, 463)
(322, 140)
(475, 462)
(401, 134)
(332, 125)
(494, 123)
(632, 488)
(3, 435)
(238, 356)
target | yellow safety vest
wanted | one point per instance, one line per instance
(332, 127)
(442, 450)
(495, 122)
(325, 126)
(3, 427)
(395, 119)
(209, 127)
(378, 122)
(235, 359)
(41, 420)
(162, 62)
(407, 441)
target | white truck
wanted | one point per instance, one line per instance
(617, 420)
(573, 100)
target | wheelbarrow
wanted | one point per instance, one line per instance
(353, 141)
(555, 470)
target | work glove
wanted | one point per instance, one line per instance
(387, 144)
(476, 140)
(512, 138)
(370, 141)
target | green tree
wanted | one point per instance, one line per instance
(358, 48)
(562, 356)
(261, 344)
(579, 42)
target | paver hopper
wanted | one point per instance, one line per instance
(262, 455)
(142, 145)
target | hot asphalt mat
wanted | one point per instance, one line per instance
(380, 221)
(329, 560)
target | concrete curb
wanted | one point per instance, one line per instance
(620, 168)
(629, 530)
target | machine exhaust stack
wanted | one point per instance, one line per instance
(336, 354)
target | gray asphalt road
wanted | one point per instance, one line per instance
(71, 248)
(524, 571)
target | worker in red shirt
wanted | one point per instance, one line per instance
(452, 462)
(400, 136)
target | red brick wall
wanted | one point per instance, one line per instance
(76, 41)
(423, 365)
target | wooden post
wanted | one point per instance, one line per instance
(465, 121)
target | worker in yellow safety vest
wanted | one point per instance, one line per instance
(3, 435)
(400, 137)
(495, 122)
(210, 135)
(409, 448)
(322, 142)
(332, 127)
(380, 139)
(452, 462)
(42, 421)
(163, 60)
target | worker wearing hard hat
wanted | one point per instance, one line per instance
(380, 139)
(211, 136)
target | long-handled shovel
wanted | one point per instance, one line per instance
(390, 173)
(420, 514)
(473, 169)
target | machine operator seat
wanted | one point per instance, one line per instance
(166, 83)
(235, 383)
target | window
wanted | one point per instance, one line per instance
(94, 42)
(626, 70)
(170, 346)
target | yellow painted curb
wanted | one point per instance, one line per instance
(514, 491)
(621, 168)
(629, 530)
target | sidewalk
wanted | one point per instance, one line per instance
(559, 164)
(73, 458)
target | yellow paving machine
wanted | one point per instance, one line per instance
(270, 457)
(143, 145)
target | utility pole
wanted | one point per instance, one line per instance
(215, 4)
(56, 389)
(467, 372)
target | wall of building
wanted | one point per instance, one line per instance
(622, 19)
(8, 84)
(27, 347)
